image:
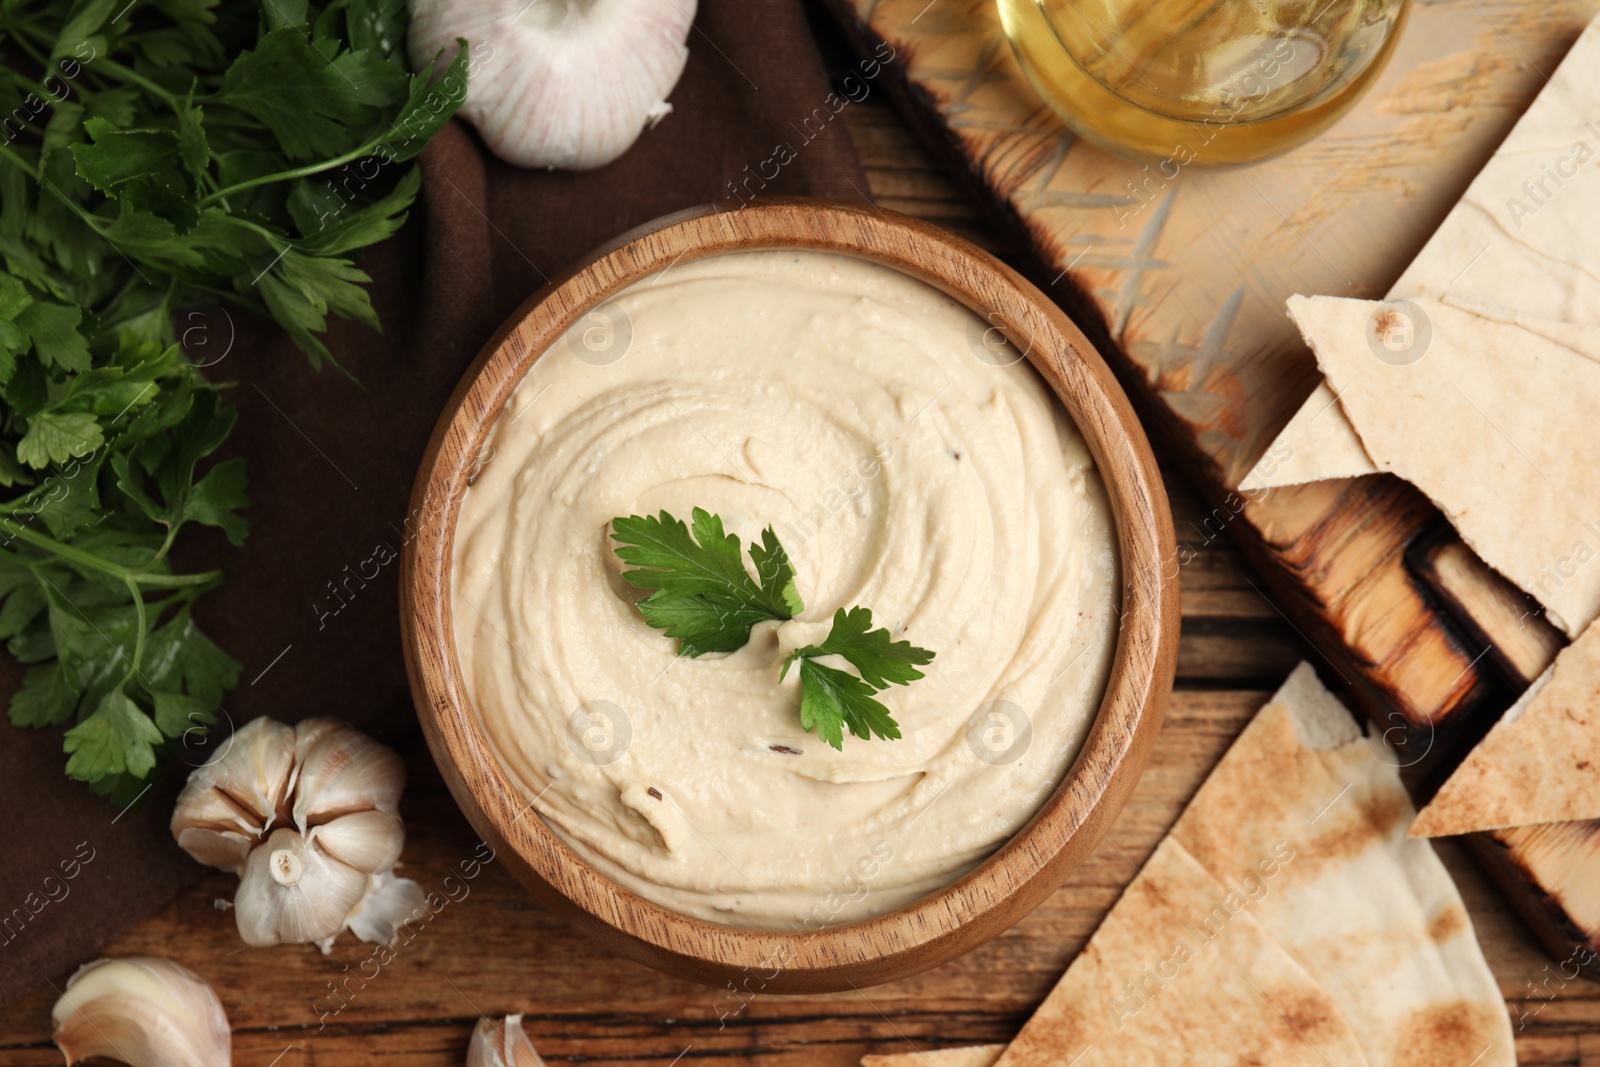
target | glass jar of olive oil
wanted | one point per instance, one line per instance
(1202, 81)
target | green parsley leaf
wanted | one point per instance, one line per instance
(176, 714)
(118, 738)
(23, 605)
(117, 156)
(54, 331)
(882, 662)
(428, 107)
(53, 437)
(69, 501)
(306, 101)
(192, 144)
(180, 657)
(829, 697)
(701, 592)
(45, 698)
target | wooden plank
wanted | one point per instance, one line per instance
(1551, 873)
(1509, 622)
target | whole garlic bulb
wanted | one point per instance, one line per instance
(144, 1011)
(560, 83)
(309, 818)
(501, 1045)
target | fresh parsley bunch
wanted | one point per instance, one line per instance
(160, 155)
(702, 595)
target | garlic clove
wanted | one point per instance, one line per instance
(293, 892)
(142, 1011)
(307, 732)
(560, 83)
(496, 1044)
(390, 903)
(345, 771)
(369, 841)
(239, 792)
(224, 849)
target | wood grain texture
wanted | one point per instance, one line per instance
(1551, 874)
(1022, 872)
(498, 950)
(1507, 621)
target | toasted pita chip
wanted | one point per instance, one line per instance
(1514, 240)
(972, 1056)
(1307, 819)
(1540, 763)
(1494, 421)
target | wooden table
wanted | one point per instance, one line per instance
(493, 950)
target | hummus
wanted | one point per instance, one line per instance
(858, 412)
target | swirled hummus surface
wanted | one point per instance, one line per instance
(859, 413)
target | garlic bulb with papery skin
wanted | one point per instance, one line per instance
(143, 1011)
(309, 818)
(559, 83)
(505, 1044)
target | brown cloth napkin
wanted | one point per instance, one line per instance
(310, 603)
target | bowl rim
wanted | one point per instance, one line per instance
(1021, 872)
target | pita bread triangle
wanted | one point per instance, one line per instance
(1539, 764)
(1286, 919)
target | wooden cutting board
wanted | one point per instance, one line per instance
(1181, 278)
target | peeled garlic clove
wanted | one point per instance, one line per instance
(143, 1011)
(390, 903)
(292, 892)
(346, 771)
(501, 1045)
(369, 841)
(560, 83)
(239, 792)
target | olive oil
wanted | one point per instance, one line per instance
(1201, 82)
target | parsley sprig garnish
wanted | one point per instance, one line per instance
(702, 595)
(831, 698)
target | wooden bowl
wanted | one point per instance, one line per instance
(1022, 872)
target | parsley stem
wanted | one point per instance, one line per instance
(105, 566)
(127, 74)
(36, 173)
(359, 152)
(139, 631)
